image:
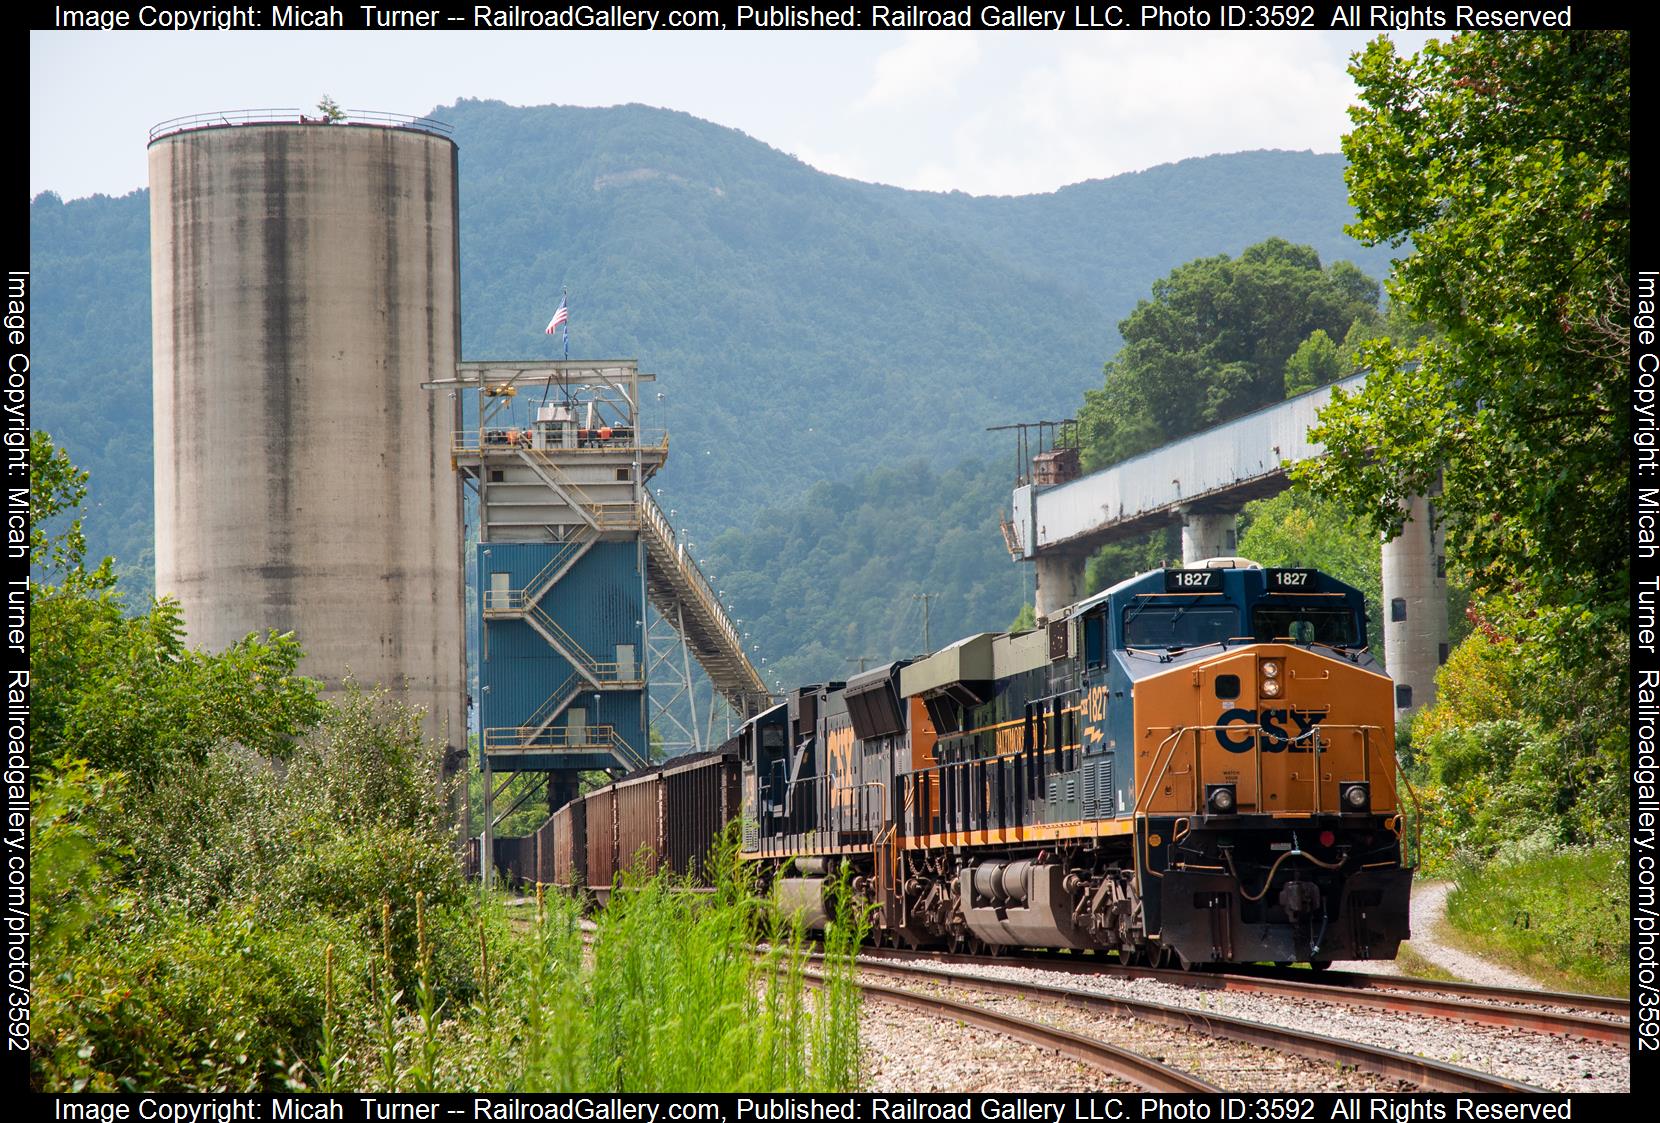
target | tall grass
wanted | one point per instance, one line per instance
(668, 995)
(1560, 914)
(680, 1001)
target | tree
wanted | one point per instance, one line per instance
(1505, 159)
(124, 691)
(1213, 343)
(1316, 362)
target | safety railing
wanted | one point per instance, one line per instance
(823, 809)
(569, 550)
(1011, 536)
(514, 603)
(988, 793)
(509, 438)
(562, 739)
(1162, 766)
(655, 523)
(607, 673)
(554, 704)
(229, 117)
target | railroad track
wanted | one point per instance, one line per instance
(1362, 980)
(1421, 997)
(1428, 1074)
(1143, 1071)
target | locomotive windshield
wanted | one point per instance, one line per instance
(1179, 625)
(1304, 624)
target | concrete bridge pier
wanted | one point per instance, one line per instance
(1060, 581)
(1414, 608)
(1208, 533)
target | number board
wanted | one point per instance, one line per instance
(1193, 580)
(1291, 580)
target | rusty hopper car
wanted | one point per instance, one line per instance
(667, 816)
(601, 829)
(569, 828)
(700, 797)
(1195, 766)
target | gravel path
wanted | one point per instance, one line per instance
(1429, 932)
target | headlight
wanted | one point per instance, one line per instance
(1271, 688)
(1356, 797)
(1270, 669)
(1220, 799)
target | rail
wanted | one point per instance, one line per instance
(1145, 1072)
(234, 117)
(1431, 1075)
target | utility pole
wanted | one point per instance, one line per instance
(861, 660)
(927, 642)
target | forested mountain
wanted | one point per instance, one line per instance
(805, 328)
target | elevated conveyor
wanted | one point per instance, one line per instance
(681, 594)
(1219, 469)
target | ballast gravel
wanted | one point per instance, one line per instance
(1553, 1063)
(909, 1051)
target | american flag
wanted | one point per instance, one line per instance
(559, 317)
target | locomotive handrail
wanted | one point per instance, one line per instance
(1256, 734)
(1145, 795)
(1418, 807)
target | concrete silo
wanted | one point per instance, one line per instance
(304, 281)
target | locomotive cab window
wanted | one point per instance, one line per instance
(1304, 624)
(1179, 625)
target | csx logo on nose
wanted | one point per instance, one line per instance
(1275, 736)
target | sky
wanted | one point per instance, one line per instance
(989, 113)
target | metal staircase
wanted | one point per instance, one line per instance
(574, 554)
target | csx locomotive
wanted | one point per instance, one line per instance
(1194, 766)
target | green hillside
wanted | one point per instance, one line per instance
(1109, 238)
(807, 329)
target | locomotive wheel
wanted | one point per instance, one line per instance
(1319, 965)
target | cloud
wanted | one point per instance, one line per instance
(926, 65)
(1114, 104)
